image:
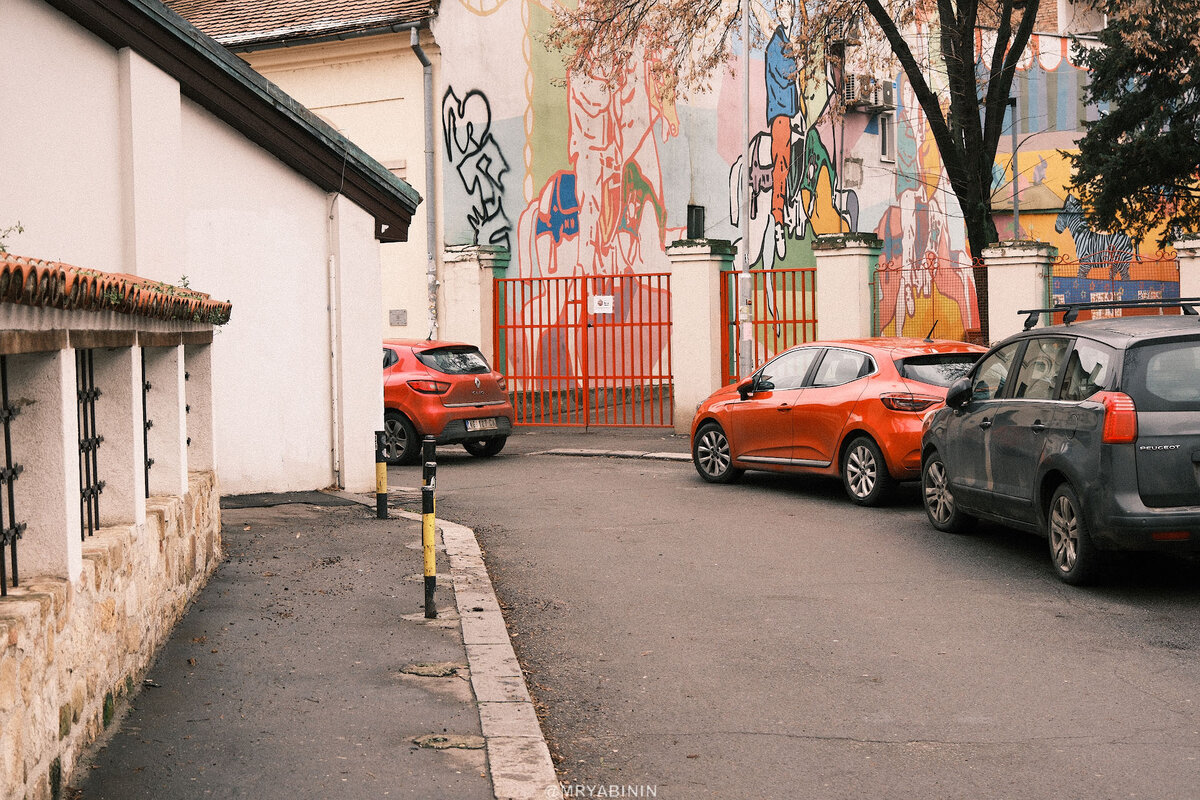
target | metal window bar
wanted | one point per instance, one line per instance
(10, 529)
(90, 485)
(147, 423)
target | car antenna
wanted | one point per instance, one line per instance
(929, 336)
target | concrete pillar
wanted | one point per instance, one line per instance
(151, 143)
(1187, 252)
(1018, 278)
(198, 387)
(468, 294)
(355, 286)
(844, 266)
(122, 455)
(45, 437)
(696, 331)
(165, 400)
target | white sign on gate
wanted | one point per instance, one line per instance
(601, 304)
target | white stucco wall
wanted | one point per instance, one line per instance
(371, 90)
(107, 167)
(61, 125)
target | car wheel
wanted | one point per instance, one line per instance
(400, 439)
(710, 454)
(865, 474)
(1076, 560)
(485, 448)
(940, 506)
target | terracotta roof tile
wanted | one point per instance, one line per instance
(52, 284)
(236, 23)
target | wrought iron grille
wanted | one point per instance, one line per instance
(10, 529)
(147, 423)
(90, 485)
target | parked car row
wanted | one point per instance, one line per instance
(1085, 432)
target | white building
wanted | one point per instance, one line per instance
(135, 144)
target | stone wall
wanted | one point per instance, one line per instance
(70, 651)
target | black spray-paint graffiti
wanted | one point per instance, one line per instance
(480, 164)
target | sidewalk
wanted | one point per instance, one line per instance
(306, 668)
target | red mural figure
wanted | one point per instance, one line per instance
(603, 217)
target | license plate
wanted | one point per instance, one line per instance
(487, 424)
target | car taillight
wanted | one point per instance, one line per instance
(903, 401)
(429, 387)
(1120, 417)
(500, 381)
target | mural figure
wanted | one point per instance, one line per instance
(604, 216)
(791, 171)
(480, 164)
(783, 105)
(924, 272)
(1092, 248)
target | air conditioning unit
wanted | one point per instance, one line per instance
(868, 93)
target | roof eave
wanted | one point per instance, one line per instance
(226, 86)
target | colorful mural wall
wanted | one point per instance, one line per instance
(591, 174)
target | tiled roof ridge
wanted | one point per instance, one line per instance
(252, 23)
(52, 284)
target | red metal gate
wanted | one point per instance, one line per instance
(587, 351)
(784, 314)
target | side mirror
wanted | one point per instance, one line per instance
(746, 387)
(959, 393)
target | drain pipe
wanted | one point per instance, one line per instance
(430, 184)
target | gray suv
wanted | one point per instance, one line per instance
(1086, 432)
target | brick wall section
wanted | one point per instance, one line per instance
(1047, 17)
(1046, 22)
(70, 652)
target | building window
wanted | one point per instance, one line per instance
(887, 139)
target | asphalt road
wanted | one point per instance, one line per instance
(771, 640)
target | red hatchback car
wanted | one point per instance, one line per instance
(445, 390)
(851, 408)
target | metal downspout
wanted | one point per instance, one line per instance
(430, 185)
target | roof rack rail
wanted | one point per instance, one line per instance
(1071, 310)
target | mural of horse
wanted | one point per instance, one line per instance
(1094, 249)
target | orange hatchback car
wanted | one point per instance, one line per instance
(851, 408)
(445, 390)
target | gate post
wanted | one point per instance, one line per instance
(1018, 277)
(1187, 253)
(467, 287)
(696, 266)
(844, 265)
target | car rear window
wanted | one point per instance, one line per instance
(454, 360)
(939, 369)
(1164, 376)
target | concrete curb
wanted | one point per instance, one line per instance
(518, 757)
(614, 454)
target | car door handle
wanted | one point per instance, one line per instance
(1038, 426)
(784, 407)
(986, 423)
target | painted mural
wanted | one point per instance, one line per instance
(589, 175)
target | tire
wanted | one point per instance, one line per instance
(940, 506)
(1075, 558)
(485, 448)
(710, 454)
(401, 445)
(865, 473)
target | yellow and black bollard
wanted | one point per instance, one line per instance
(381, 511)
(428, 505)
